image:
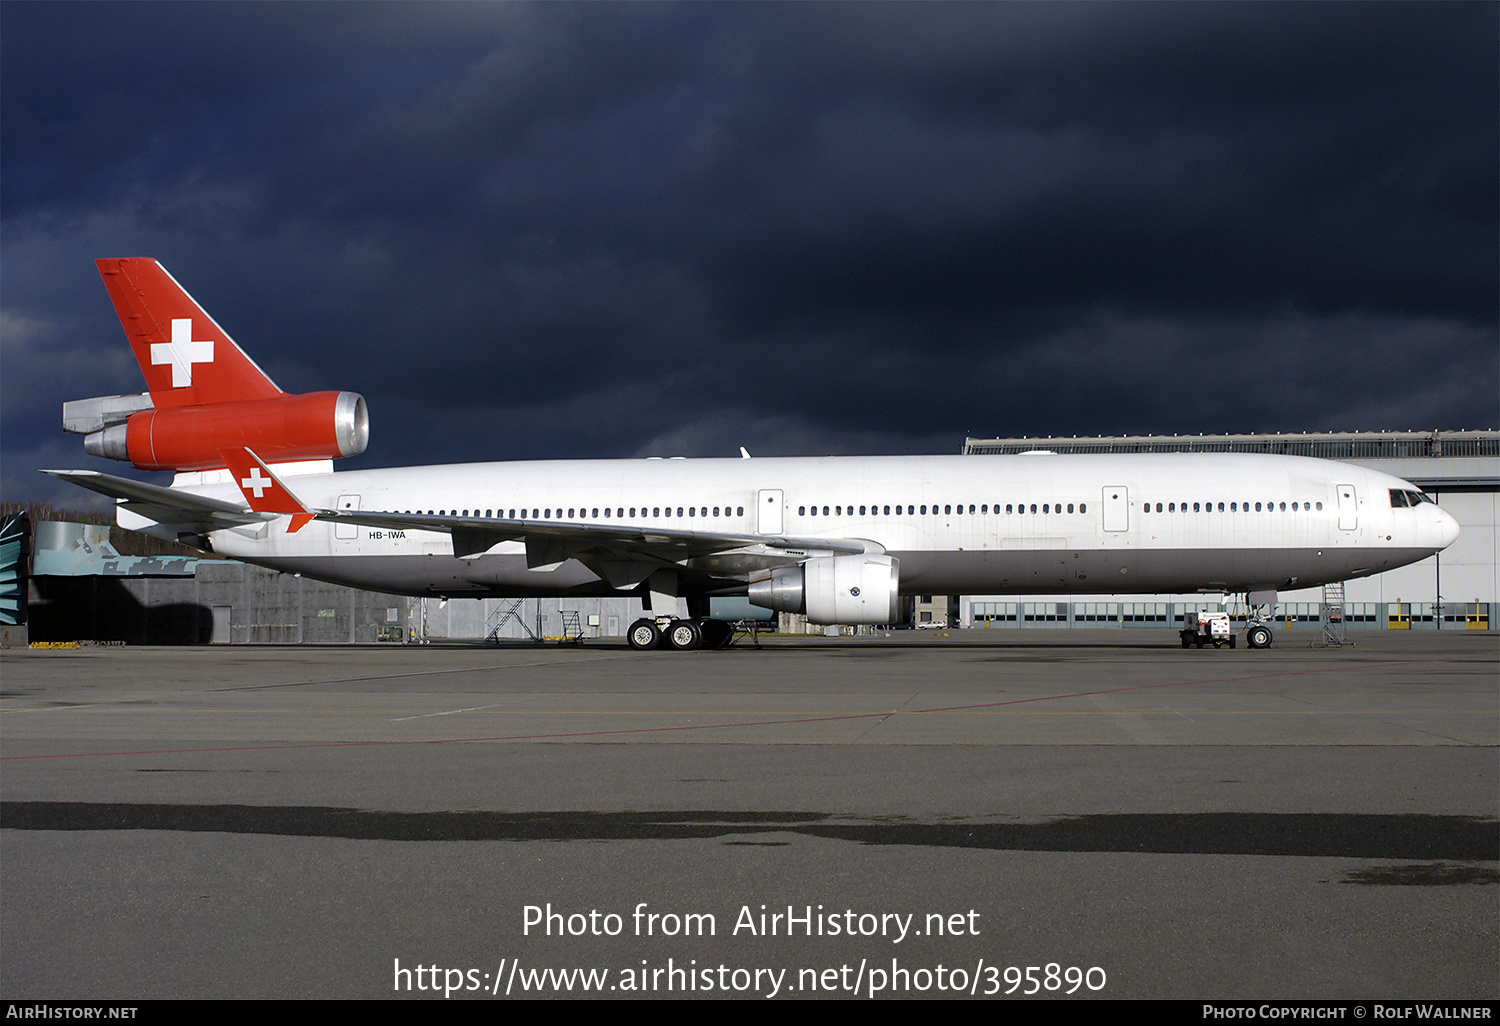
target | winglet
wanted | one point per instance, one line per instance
(262, 489)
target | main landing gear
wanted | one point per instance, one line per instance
(683, 635)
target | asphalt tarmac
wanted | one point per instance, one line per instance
(1078, 814)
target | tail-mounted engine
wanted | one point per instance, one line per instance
(834, 589)
(314, 426)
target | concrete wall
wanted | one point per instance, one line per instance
(224, 602)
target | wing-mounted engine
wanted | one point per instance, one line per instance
(313, 426)
(834, 589)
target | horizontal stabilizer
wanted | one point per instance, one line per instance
(165, 505)
(262, 489)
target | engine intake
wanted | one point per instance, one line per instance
(834, 589)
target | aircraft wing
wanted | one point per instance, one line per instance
(182, 510)
(549, 541)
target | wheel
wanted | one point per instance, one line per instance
(684, 635)
(644, 635)
(1258, 636)
(1186, 641)
(1218, 643)
(1231, 641)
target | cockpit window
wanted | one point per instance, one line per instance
(1401, 499)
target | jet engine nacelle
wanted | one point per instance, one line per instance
(834, 589)
(314, 426)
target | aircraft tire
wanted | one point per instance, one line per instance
(1258, 636)
(684, 635)
(644, 635)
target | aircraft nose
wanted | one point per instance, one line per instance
(1447, 529)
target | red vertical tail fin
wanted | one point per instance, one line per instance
(188, 360)
(206, 394)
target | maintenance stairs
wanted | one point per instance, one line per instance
(502, 616)
(1331, 616)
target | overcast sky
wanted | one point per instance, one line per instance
(557, 230)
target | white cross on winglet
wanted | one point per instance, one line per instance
(182, 352)
(256, 482)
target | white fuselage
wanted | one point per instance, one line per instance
(957, 524)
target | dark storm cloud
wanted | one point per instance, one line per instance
(627, 229)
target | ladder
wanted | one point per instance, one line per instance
(502, 616)
(572, 630)
(1331, 616)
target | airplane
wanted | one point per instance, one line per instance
(837, 538)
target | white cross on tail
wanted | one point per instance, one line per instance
(182, 352)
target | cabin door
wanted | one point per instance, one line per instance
(1116, 506)
(769, 502)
